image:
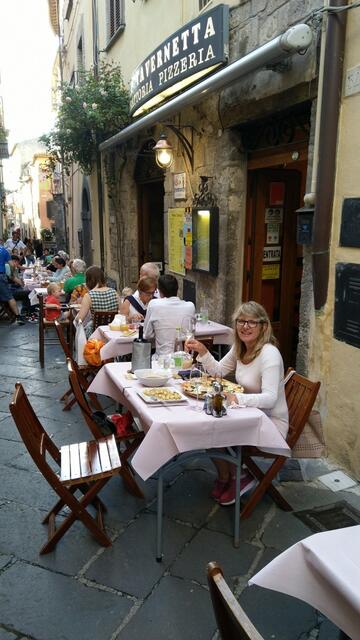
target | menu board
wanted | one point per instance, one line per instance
(176, 220)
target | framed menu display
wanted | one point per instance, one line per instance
(205, 240)
(176, 219)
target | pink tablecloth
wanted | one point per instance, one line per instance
(175, 429)
(323, 570)
(117, 345)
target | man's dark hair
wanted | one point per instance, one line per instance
(168, 285)
(60, 261)
(15, 257)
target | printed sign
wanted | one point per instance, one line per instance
(272, 233)
(188, 240)
(273, 215)
(277, 193)
(272, 254)
(176, 240)
(188, 54)
(179, 180)
(270, 271)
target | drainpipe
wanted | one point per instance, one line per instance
(329, 119)
(98, 155)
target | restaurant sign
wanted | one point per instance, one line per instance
(190, 53)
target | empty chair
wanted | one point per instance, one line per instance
(85, 466)
(232, 621)
(300, 397)
(86, 372)
(127, 443)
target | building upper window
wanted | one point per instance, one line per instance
(115, 17)
(203, 4)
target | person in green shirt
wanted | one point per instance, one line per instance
(77, 268)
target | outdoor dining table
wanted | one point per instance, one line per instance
(324, 571)
(181, 429)
(120, 345)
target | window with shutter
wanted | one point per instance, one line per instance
(115, 17)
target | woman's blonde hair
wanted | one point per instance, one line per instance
(256, 311)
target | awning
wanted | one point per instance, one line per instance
(297, 39)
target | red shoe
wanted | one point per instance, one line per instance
(218, 489)
(246, 483)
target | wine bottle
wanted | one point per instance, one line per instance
(141, 352)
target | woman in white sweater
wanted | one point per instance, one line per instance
(259, 368)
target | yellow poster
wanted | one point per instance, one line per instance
(176, 220)
(271, 271)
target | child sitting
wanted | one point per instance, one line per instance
(53, 298)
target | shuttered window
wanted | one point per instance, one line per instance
(115, 17)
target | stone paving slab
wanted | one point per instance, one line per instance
(59, 607)
(130, 565)
(207, 546)
(176, 610)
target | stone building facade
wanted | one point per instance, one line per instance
(257, 141)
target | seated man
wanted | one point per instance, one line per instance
(19, 292)
(5, 293)
(165, 314)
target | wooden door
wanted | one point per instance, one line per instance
(151, 222)
(273, 260)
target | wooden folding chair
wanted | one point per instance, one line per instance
(127, 444)
(101, 318)
(232, 621)
(300, 397)
(86, 466)
(45, 325)
(85, 372)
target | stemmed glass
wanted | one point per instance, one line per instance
(198, 378)
(188, 326)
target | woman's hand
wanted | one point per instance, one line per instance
(194, 345)
(137, 317)
(231, 398)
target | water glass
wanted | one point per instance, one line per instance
(204, 314)
(197, 374)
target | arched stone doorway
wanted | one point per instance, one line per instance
(86, 232)
(149, 179)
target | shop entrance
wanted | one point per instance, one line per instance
(150, 191)
(273, 260)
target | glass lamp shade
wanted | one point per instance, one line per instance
(163, 153)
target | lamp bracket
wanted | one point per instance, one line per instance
(204, 198)
(187, 144)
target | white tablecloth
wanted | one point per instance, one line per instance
(33, 295)
(324, 571)
(175, 429)
(117, 345)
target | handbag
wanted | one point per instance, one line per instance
(117, 424)
(311, 442)
(79, 343)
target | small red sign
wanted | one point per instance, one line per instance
(277, 193)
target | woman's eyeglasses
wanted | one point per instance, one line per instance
(250, 323)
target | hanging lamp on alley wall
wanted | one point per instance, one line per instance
(164, 153)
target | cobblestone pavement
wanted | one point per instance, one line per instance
(82, 590)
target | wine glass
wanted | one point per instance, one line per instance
(197, 377)
(188, 326)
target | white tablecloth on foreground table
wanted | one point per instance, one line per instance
(118, 345)
(33, 295)
(324, 571)
(175, 429)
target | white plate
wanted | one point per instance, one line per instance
(153, 401)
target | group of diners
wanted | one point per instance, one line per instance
(254, 357)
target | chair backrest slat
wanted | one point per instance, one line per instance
(232, 621)
(76, 382)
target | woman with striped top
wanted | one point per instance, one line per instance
(99, 298)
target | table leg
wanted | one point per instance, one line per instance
(237, 500)
(159, 517)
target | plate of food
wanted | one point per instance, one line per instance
(189, 388)
(162, 395)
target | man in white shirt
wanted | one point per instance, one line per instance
(165, 314)
(14, 242)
